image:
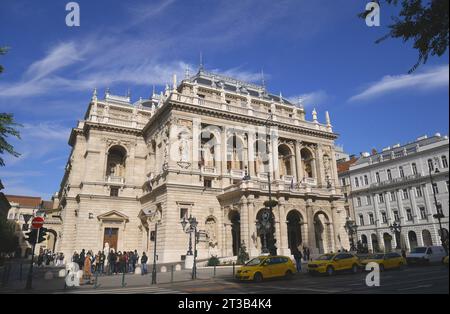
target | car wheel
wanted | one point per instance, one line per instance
(288, 274)
(381, 267)
(330, 271)
(354, 268)
(258, 277)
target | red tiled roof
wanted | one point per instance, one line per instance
(25, 201)
(344, 166)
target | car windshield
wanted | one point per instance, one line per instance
(254, 262)
(419, 250)
(325, 258)
(378, 256)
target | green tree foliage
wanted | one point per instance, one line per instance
(7, 128)
(426, 23)
(9, 240)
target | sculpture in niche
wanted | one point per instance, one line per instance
(183, 146)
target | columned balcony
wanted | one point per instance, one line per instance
(115, 179)
(237, 173)
(208, 170)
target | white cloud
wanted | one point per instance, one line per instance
(315, 98)
(58, 57)
(432, 78)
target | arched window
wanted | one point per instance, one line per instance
(308, 163)
(402, 172)
(414, 168)
(235, 153)
(430, 164)
(284, 160)
(444, 161)
(116, 162)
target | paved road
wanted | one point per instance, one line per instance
(429, 280)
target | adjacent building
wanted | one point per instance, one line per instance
(403, 185)
(214, 148)
(22, 210)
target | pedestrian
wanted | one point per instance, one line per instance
(144, 260)
(308, 253)
(305, 255)
(404, 253)
(87, 274)
(298, 259)
(101, 262)
(136, 259)
(81, 259)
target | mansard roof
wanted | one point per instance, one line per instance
(234, 85)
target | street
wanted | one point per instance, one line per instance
(428, 280)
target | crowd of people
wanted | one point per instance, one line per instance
(112, 263)
(49, 258)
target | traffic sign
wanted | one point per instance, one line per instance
(37, 222)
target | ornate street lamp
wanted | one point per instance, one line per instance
(156, 219)
(190, 226)
(351, 228)
(439, 213)
(396, 228)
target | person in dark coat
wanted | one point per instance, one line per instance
(298, 259)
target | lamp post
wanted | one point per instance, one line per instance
(351, 228)
(190, 226)
(156, 218)
(265, 224)
(439, 213)
(396, 228)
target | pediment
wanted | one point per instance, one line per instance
(113, 215)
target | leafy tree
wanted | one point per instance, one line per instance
(9, 240)
(7, 127)
(3, 50)
(426, 23)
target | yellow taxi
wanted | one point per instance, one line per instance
(386, 260)
(264, 267)
(331, 263)
(445, 260)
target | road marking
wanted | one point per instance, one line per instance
(418, 287)
(131, 290)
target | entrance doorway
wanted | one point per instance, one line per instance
(294, 221)
(111, 236)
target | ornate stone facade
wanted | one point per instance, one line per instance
(207, 148)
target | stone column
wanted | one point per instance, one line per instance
(223, 150)
(298, 161)
(389, 213)
(284, 245)
(244, 218)
(196, 133)
(401, 210)
(429, 205)
(412, 198)
(311, 227)
(251, 154)
(276, 166)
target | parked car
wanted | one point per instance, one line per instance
(331, 263)
(426, 255)
(264, 267)
(385, 260)
(445, 260)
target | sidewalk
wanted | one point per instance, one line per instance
(46, 280)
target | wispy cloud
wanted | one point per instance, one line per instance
(315, 98)
(432, 78)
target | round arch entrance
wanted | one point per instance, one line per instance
(294, 229)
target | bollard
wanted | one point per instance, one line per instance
(234, 265)
(96, 280)
(171, 274)
(214, 271)
(123, 280)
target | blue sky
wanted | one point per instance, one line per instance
(316, 49)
